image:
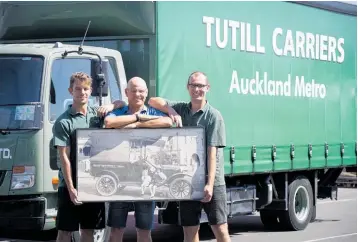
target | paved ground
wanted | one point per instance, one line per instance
(336, 221)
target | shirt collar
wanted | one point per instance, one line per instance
(73, 112)
(143, 111)
(203, 109)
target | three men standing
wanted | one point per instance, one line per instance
(198, 112)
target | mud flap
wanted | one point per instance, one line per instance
(328, 192)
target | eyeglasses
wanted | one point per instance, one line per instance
(200, 86)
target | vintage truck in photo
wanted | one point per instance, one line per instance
(283, 75)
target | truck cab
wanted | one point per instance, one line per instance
(34, 92)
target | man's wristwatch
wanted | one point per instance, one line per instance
(137, 116)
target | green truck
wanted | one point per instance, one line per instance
(283, 75)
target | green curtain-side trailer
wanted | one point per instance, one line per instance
(283, 75)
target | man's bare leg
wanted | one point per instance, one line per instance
(144, 235)
(221, 232)
(63, 236)
(191, 233)
(116, 235)
(87, 235)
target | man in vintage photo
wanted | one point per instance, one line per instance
(198, 112)
(71, 212)
(135, 115)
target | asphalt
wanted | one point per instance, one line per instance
(336, 221)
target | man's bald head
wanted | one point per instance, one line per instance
(136, 82)
(136, 91)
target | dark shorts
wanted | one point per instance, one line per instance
(144, 214)
(216, 209)
(70, 216)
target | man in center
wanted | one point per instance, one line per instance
(135, 115)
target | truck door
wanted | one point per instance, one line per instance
(59, 100)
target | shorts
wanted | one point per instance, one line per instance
(144, 214)
(70, 216)
(216, 209)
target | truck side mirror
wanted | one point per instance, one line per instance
(99, 78)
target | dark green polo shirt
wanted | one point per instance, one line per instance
(213, 122)
(64, 134)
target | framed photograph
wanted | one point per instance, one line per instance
(162, 164)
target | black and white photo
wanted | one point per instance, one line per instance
(141, 164)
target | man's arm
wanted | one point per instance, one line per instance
(160, 104)
(211, 165)
(105, 109)
(170, 107)
(61, 140)
(112, 121)
(161, 122)
(63, 152)
(216, 138)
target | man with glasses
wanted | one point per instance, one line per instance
(198, 112)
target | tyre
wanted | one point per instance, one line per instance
(106, 185)
(300, 205)
(180, 188)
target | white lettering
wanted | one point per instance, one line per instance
(307, 45)
(259, 48)
(234, 25)
(222, 29)
(289, 46)
(310, 46)
(300, 87)
(278, 51)
(234, 83)
(317, 46)
(5, 153)
(208, 21)
(300, 42)
(249, 46)
(257, 86)
(323, 47)
(340, 59)
(262, 85)
(221, 43)
(332, 45)
(242, 33)
(312, 89)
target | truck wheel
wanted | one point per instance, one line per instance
(106, 185)
(270, 219)
(300, 205)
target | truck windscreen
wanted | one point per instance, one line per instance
(20, 79)
(20, 88)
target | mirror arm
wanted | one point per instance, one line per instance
(99, 76)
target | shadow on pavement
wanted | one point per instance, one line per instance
(161, 233)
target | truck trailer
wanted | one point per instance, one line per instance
(282, 74)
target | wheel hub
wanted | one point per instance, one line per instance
(301, 201)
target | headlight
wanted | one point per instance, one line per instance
(22, 177)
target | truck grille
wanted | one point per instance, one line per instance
(2, 176)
